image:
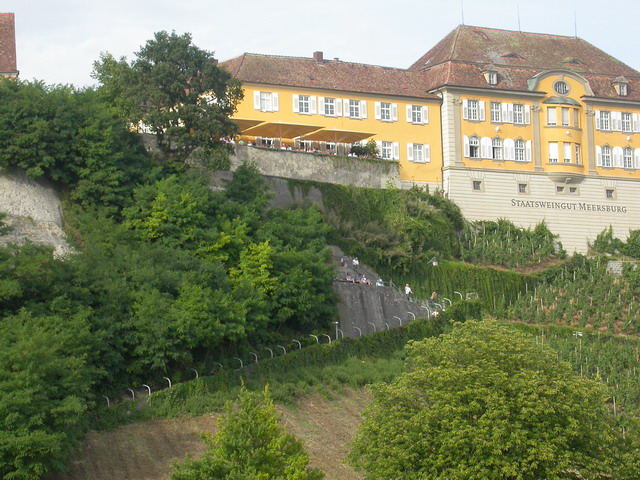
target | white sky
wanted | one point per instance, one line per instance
(58, 40)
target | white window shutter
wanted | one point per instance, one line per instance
(256, 100)
(427, 153)
(636, 122)
(379, 147)
(346, 111)
(481, 109)
(275, 102)
(425, 115)
(598, 156)
(363, 109)
(377, 109)
(509, 149)
(396, 151)
(504, 112)
(394, 112)
(409, 113)
(321, 105)
(528, 151)
(410, 152)
(527, 114)
(296, 103)
(486, 147)
(617, 157)
(313, 104)
(338, 106)
(510, 109)
(598, 122)
(465, 109)
(636, 154)
(467, 150)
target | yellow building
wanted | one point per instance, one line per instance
(509, 124)
(8, 66)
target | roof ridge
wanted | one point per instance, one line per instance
(455, 42)
(330, 61)
(520, 31)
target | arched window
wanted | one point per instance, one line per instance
(520, 150)
(496, 145)
(474, 147)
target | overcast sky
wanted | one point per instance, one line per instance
(58, 40)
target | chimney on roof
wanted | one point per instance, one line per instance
(318, 56)
(8, 66)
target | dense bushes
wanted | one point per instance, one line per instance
(190, 276)
(391, 228)
(502, 243)
(605, 242)
(72, 138)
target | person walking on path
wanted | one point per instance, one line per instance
(408, 292)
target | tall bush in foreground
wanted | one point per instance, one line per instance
(250, 445)
(487, 402)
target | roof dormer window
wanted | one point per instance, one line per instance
(491, 76)
(621, 85)
(561, 87)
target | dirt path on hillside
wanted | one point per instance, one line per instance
(146, 451)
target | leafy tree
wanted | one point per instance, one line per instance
(178, 91)
(44, 388)
(72, 138)
(250, 445)
(486, 402)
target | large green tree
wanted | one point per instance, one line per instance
(486, 402)
(177, 90)
(72, 138)
(250, 445)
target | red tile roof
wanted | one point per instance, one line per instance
(460, 58)
(328, 74)
(7, 43)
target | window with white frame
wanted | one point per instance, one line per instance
(577, 153)
(606, 156)
(627, 122)
(623, 89)
(416, 114)
(496, 110)
(354, 108)
(566, 147)
(518, 113)
(477, 185)
(576, 118)
(474, 110)
(418, 153)
(492, 78)
(551, 116)
(520, 151)
(627, 157)
(386, 150)
(553, 152)
(330, 106)
(303, 104)
(604, 120)
(610, 193)
(266, 103)
(565, 116)
(474, 147)
(497, 148)
(385, 111)
(523, 188)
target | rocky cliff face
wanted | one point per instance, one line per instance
(33, 212)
